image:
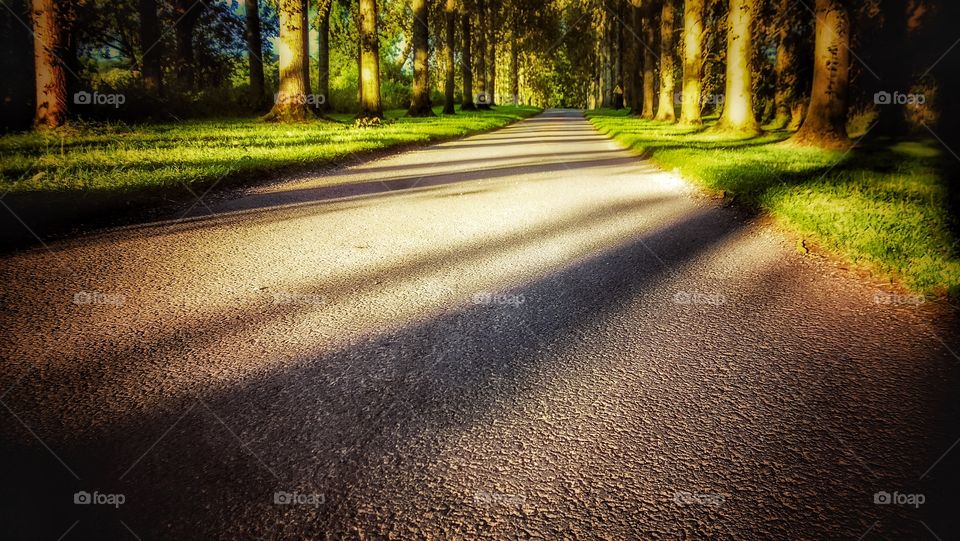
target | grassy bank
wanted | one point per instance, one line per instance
(882, 206)
(121, 159)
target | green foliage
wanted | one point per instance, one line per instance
(883, 206)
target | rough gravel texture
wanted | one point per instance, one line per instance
(527, 334)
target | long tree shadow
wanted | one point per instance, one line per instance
(323, 424)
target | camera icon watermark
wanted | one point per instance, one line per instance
(898, 98)
(500, 299)
(898, 299)
(96, 98)
(86, 498)
(895, 498)
(696, 298)
(313, 100)
(296, 498)
(685, 498)
(498, 499)
(708, 99)
(289, 298)
(86, 298)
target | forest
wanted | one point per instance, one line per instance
(773, 63)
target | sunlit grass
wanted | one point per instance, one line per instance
(120, 158)
(883, 206)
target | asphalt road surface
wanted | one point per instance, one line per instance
(526, 334)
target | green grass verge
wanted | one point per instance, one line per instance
(117, 158)
(884, 206)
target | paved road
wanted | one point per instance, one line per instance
(524, 334)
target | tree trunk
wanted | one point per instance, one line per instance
(467, 61)
(323, 55)
(305, 45)
(50, 76)
(786, 67)
(481, 71)
(692, 62)
(254, 52)
(420, 105)
(649, 62)
(826, 122)
(370, 104)
(515, 63)
(291, 100)
(150, 48)
(607, 60)
(450, 89)
(617, 46)
(738, 113)
(665, 110)
(492, 79)
(187, 13)
(635, 64)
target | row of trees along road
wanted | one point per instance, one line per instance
(807, 64)
(73, 38)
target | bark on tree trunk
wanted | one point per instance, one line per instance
(291, 100)
(187, 13)
(666, 111)
(515, 64)
(738, 113)
(608, 61)
(150, 48)
(786, 67)
(481, 71)
(636, 52)
(649, 62)
(826, 122)
(420, 104)
(254, 52)
(305, 45)
(323, 55)
(492, 79)
(370, 104)
(450, 89)
(692, 62)
(51, 78)
(467, 61)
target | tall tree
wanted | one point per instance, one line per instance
(515, 59)
(738, 115)
(291, 102)
(786, 67)
(692, 62)
(467, 61)
(647, 20)
(305, 45)
(50, 75)
(420, 104)
(151, 48)
(186, 15)
(665, 110)
(370, 103)
(635, 58)
(826, 121)
(323, 55)
(254, 51)
(481, 71)
(450, 87)
(492, 78)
